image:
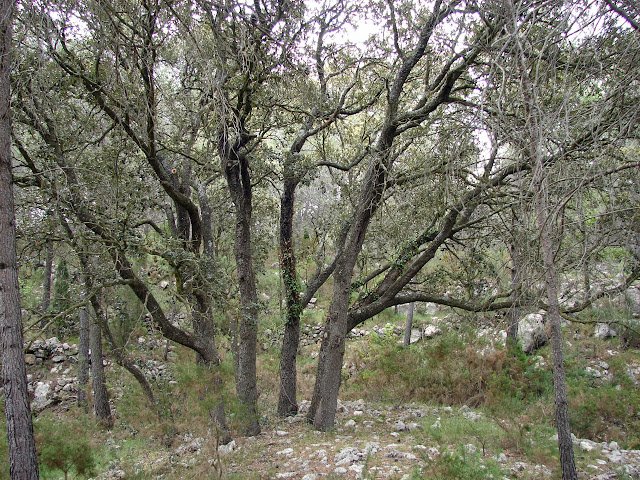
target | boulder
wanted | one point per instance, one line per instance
(604, 331)
(531, 332)
(431, 331)
(40, 397)
(633, 299)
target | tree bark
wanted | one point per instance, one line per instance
(23, 463)
(287, 404)
(83, 357)
(236, 168)
(408, 325)
(100, 395)
(565, 444)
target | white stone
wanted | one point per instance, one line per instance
(399, 426)
(543, 470)
(371, 448)
(474, 417)
(357, 468)
(531, 332)
(318, 453)
(350, 423)
(281, 433)
(287, 452)
(347, 455)
(614, 446)
(593, 372)
(471, 448)
(588, 445)
(615, 457)
(431, 331)
(340, 471)
(502, 458)
(310, 476)
(604, 331)
(40, 400)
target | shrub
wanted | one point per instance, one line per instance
(447, 371)
(459, 465)
(62, 446)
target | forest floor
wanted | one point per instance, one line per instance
(486, 415)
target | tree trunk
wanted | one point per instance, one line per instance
(83, 357)
(23, 463)
(565, 445)
(544, 223)
(336, 333)
(287, 404)
(46, 281)
(320, 373)
(408, 325)
(121, 358)
(544, 220)
(100, 394)
(336, 328)
(236, 169)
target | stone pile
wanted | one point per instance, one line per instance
(311, 334)
(156, 371)
(52, 349)
(52, 392)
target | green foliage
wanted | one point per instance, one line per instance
(459, 465)
(448, 371)
(604, 410)
(4, 447)
(64, 446)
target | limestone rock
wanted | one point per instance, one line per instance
(346, 456)
(431, 331)
(287, 452)
(588, 445)
(604, 331)
(41, 397)
(531, 332)
(228, 448)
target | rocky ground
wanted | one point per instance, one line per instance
(370, 440)
(373, 442)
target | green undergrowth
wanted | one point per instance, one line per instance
(452, 370)
(70, 445)
(446, 371)
(459, 464)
